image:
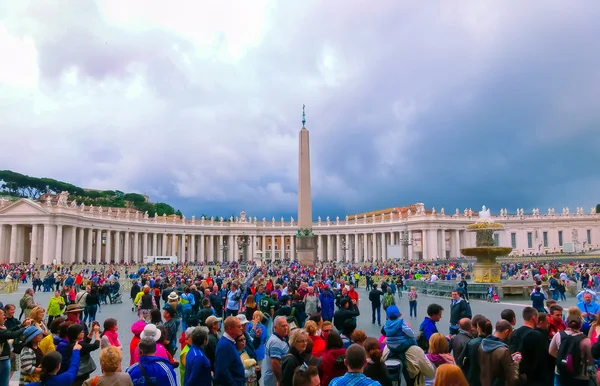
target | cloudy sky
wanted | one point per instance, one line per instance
(199, 103)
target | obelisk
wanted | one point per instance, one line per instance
(306, 244)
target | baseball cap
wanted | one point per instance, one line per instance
(212, 320)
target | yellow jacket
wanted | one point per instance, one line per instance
(47, 344)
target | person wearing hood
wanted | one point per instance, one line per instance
(399, 336)
(156, 370)
(498, 367)
(136, 329)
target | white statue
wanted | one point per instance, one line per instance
(319, 219)
(62, 199)
(292, 220)
(237, 219)
(346, 218)
(118, 212)
(264, 220)
(327, 219)
(457, 213)
(255, 219)
(337, 219)
(212, 219)
(470, 212)
(127, 214)
(442, 212)
(146, 215)
(82, 207)
(466, 212)
(365, 219)
(593, 211)
(221, 219)
(485, 213)
(230, 218)
(183, 218)
(409, 213)
(137, 214)
(567, 210)
(73, 204)
(48, 200)
(193, 220)
(433, 210)
(202, 220)
(282, 220)
(155, 217)
(164, 217)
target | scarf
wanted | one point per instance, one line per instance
(113, 338)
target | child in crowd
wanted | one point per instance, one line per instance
(412, 301)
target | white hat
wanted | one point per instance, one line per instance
(189, 331)
(242, 318)
(173, 296)
(150, 331)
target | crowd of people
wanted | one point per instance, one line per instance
(291, 325)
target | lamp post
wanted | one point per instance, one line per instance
(245, 241)
(224, 247)
(344, 247)
(405, 242)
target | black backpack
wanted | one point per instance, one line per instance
(422, 340)
(568, 359)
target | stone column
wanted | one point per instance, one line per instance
(46, 259)
(90, 245)
(272, 248)
(126, 242)
(425, 243)
(443, 242)
(384, 244)
(98, 246)
(73, 248)
(456, 243)
(356, 247)
(2, 245)
(365, 247)
(338, 248)
(108, 250)
(232, 247)
(33, 253)
(136, 247)
(192, 248)
(13, 244)
(201, 248)
(154, 248)
(144, 245)
(174, 245)
(80, 244)
(117, 255)
(164, 245)
(57, 245)
(329, 248)
(292, 248)
(211, 248)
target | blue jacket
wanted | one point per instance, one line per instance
(66, 378)
(327, 304)
(398, 333)
(428, 327)
(592, 309)
(159, 370)
(229, 370)
(197, 368)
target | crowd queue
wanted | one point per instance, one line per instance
(292, 326)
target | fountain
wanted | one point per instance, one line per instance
(486, 269)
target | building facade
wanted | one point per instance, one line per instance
(57, 231)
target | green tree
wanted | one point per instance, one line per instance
(145, 206)
(134, 197)
(598, 208)
(178, 213)
(162, 208)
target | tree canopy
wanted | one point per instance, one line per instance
(21, 185)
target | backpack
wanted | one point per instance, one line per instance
(339, 363)
(568, 359)
(388, 301)
(23, 303)
(422, 340)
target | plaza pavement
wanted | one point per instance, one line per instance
(124, 315)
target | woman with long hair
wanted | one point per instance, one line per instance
(250, 307)
(109, 336)
(51, 365)
(92, 304)
(295, 357)
(438, 353)
(332, 366)
(450, 375)
(317, 340)
(37, 319)
(376, 369)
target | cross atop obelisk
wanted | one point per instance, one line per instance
(305, 239)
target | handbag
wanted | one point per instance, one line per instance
(86, 366)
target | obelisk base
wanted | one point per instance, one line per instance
(306, 250)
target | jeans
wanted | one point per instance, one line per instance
(413, 307)
(554, 295)
(4, 371)
(229, 312)
(562, 296)
(376, 308)
(90, 313)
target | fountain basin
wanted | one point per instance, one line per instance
(487, 252)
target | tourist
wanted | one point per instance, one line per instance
(212, 323)
(460, 340)
(92, 305)
(136, 329)
(275, 349)
(588, 306)
(51, 365)
(412, 302)
(355, 361)
(258, 334)
(228, 366)
(438, 354)
(154, 368)
(556, 320)
(495, 360)
(398, 335)
(55, 306)
(250, 307)
(331, 366)
(153, 332)
(469, 358)
(375, 298)
(27, 303)
(172, 326)
(537, 299)
(76, 334)
(308, 376)
(459, 309)
(186, 348)
(298, 340)
(109, 336)
(197, 367)
(375, 368)
(112, 374)
(580, 346)
(449, 375)
(31, 355)
(311, 301)
(533, 347)
(187, 302)
(327, 302)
